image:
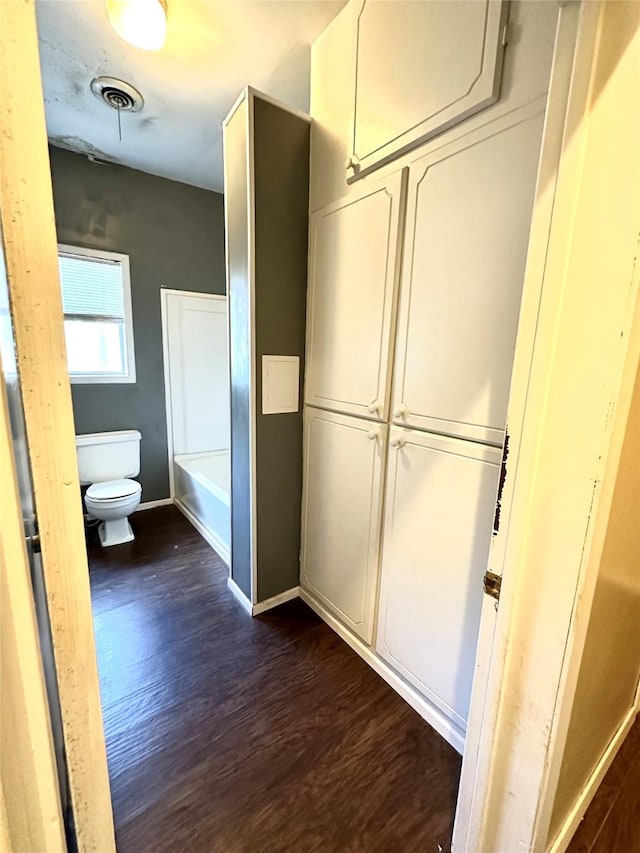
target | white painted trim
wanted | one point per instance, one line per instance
(129, 377)
(255, 93)
(208, 535)
(244, 95)
(275, 600)
(436, 719)
(172, 291)
(239, 594)
(249, 93)
(251, 265)
(567, 831)
(164, 319)
(228, 297)
(153, 504)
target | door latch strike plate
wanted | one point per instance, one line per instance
(492, 584)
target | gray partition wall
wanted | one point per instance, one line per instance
(266, 198)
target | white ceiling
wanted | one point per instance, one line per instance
(214, 49)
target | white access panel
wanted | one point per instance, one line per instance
(354, 264)
(439, 509)
(198, 372)
(341, 514)
(280, 383)
(469, 210)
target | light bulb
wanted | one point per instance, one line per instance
(143, 23)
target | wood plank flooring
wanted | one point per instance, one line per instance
(612, 821)
(227, 733)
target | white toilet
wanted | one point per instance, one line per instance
(107, 461)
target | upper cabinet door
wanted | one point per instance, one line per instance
(420, 69)
(469, 210)
(354, 267)
(342, 514)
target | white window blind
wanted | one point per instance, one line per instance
(91, 287)
(96, 299)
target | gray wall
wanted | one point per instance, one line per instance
(280, 212)
(281, 168)
(174, 236)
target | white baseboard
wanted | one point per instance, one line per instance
(239, 594)
(563, 838)
(427, 711)
(154, 504)
(275, 600)
(262, 606)
(208, 535)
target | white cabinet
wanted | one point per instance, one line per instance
(353, 271)
(341, 514)
(421, 67)
(439, 507)
(468, 216)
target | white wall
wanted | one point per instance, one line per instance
(610, 666)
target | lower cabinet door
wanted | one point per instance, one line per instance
(341, 514)
(439, 508)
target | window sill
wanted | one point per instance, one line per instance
(102, 380)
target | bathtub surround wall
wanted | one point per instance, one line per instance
(267, 270)
(202, 494)
(174, 236)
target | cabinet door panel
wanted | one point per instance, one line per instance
(353, 272)
(468, 216)
(439, 508)
(341, 514)
(422, 68)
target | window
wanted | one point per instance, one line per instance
(96, 298)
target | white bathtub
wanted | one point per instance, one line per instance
(202, 491)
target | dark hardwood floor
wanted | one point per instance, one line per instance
(227, 733)
(612, 821)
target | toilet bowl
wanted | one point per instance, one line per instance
(106, 463)
(112, 502)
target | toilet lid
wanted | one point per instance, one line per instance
(113, 489)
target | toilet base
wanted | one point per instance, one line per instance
(115, 532)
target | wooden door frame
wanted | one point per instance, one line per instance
(576, 358)
(30, 810)
(31, 255)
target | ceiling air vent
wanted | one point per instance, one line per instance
(117, 94)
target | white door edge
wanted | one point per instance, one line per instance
(566, 434)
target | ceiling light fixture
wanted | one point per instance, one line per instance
(143, 23)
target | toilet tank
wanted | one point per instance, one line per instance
(106, 456)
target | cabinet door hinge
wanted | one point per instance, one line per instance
(492, 584)
(505, 35)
